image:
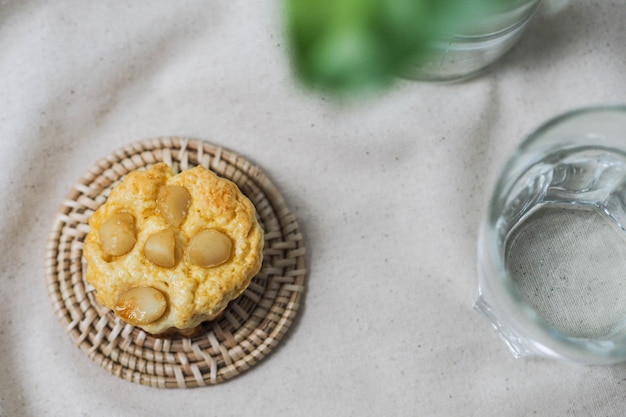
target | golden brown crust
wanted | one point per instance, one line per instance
(194, 294)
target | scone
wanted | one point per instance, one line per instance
(167, 252)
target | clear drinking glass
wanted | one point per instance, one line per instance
(481, 40)
(552, 248)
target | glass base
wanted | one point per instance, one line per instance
(513, 341)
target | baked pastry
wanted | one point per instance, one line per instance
(167, 252)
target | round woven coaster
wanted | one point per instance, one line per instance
(251, 326)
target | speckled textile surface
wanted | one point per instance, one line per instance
(388, 190)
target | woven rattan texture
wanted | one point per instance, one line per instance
(248, 330)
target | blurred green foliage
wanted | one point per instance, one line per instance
(347, 45)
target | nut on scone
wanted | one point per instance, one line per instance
(167, 252)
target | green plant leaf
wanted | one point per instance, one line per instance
(347, 45)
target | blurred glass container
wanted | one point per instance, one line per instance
(482, 39)
(552, 247)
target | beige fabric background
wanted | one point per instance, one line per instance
(389, 191)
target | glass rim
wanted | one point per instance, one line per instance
(536, 134)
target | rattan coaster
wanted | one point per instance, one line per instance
(250, 327)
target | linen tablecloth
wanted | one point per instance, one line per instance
(388, 188)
